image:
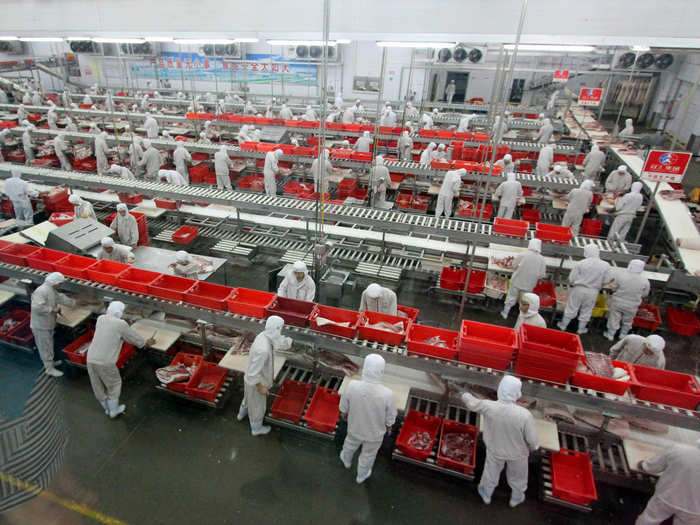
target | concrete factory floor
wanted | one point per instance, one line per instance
(168, 461)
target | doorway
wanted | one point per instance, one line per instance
(517, 90)
(461, 82)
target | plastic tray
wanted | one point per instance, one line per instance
(74, 266)
(206, 373)
(643, 322)
(21, 316)
(185, 234)
(553, 233)
(167, 204)
(72, 348)
(127, 352)
(531, 215)
(45, 259)
(252, 303)
(187, 360)
(411, 313)
(603, 384)
(450, 427)
(682, 322)
(106, 272)
(572, 477)
(416, 421)
(170, 287)
(453, 278)
(324, 409)
(290, 401)
(544, 371)
(546, 292)
(483, 337)
(293, 312)
(665, 387)
(17, 253)
(535, 339)
(382, 336)
(209, 295)
(21, 335)
(335, 314)
(591, 227)
(136, 280)
(511, 227)
(417, 334)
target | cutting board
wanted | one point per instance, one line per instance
(164, 338)
(239, 362)
(5, 296)
(72, 317)
(637, 451)
(547, 434)
(151, 213)
(400, 390)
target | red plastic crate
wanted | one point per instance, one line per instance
(486, 345)
(417, 334)
(293, 311)
(324, 409)
(74, 266)
(531, 215)
(603, 384)
(167, 204)
(209, 373)
(335, 314)
(185, 234)
(187, 360)
(511, 227)
(591, 227)
(252, 303)
(440, 164)
(420, 202)
(547, 371)
(572, 477)
(45, 259)
(21, 335)
(170, 287)
(416, 421)
(290, 401)
(209, 295)
(136, 280)
(382, 336)
(71, 349)
(642, 321)
(127, 352)
(682, 322)
(535, 339)
(665, 387)
(428, 133)
(17, 253)
(20, 316)
(450, 427)
(131, 198)
(546, 292)
(453, 278)
(445, 134)
(553, 233)
(411, 313)
(106, 272)
(362, 156)
(305, 151)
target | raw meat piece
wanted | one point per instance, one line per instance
(505, 262)
(646, 315)
(556, 412)
(8, 325)
(457, 446)
(600, 364)
(174, 373)
(647, 425)
(420, 440)
(672, 195)
(206, 386)
(496, 282)
(338, 362)
(397, 327)
(435, 341)
(322, 321)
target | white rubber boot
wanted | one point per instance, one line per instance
(115, 409)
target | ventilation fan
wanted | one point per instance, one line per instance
(645, 60)
(302, 51)
(444, 55)
(208, 49)
(664, 61)
(81, 46)
(460, 54)
(626, 60)
(475, 55)
(5, 46)
(315, 51)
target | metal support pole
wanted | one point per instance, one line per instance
(380, 95)
(408, 87)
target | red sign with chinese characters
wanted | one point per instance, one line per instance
(590, 96)
(666, 166)
(561, 75)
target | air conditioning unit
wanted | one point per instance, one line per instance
(145, 49)
(642, 61)
(460, 55)
(312, 53)
(12, 47)
(83, 46)
(221, 50)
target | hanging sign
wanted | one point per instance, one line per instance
(590, 96)
(561, 75)
(666, 166)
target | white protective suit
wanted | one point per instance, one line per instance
(21, 113)
(587, 277)
(244, 134)
(405, 146)
(28, 143)
(448, 191)
(676, 493)
(126, 227)
(411, 112)
(292, 288)
(529, 267)
(182, 157)
(532, 315)
(638, 350)
(270, 170)
(184, 266)
(629, 129)
(593, 163)
(150, 160)
(377, 298)
(450, 91)
(508, 193)
(310, 114)
(500, 128)
(349, 115)
(427, 121)
(70, 125)
(101, 150)
(464, 121)
(123, 172)
(260, 371)
(286, 113)
(36, 99)
(427, 154)
(60, 147)
(358, 107)
(580, 200)
(544, 160)
(544, 135)
(102, 355)
(506, 163)
(560, 171)
(136, 154)
(45, 301)
(619, 180)
(26, 98)
(321, 170)
(370, 409)
(151, 126)
(630, 286)
(51, 118)
(172, 177)
(380, 171)
(625, 212)
(509, 436)
(82, 208)
(388, 118)
(19, 191)
(115, 252)
(363, 143)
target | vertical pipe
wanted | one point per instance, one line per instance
(322, 130)
(408, 87)
(380, 94)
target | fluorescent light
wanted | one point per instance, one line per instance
(641, 48)
(159, 39)
(246, 40)
(119, 40)
(548, 47)
(5, 38)
(77, 38)
(343, 41)
(197, 41)
(416, 44)
(40, 39)
(304, 42)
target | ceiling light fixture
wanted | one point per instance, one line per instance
(642, 49)
(202, 41)
(416, 44)
(305, 42)
(40, 39)
(550, 48)
(118, 40)
(159, 39)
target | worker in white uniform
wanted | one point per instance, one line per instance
(21, 114)
(358, 107)
(440, 152)
(380, 171)
(222, 165)
(629, 286)
(44, 309)
(509, 435)
(310, 114)
(144, 104)
(3, 134)
(333, 115)
(500, 128)
(508, 193)
(389, 117)
(619, 180)
(629, 129)
(529, 267)
(506, 163)
(101, 150)
(450, 91)
(370, 410)
(530, 311)
(544, 160)
(102, 355)
(70, 125)
(321, 170)
(405, 147)
(639, 350)
(82, 208)
(363, 143)
(411, 111)
(560, 170)
(587, 277)
(676, 492)
(151, 126)
(136, 154)
(26, 98)
(184, 266)
(244, 134)
(286, 113)
(377, 298)
(427, 121)
(297, 284)
(150, 160)
(349, 115)
(60, 147)
(544, 135)
(122, 171)
(171, 177)
(580, 200)
(259, 374)
(51, 118)
(203, 139)
(464, 121)
(625, 211)
(249, 108)
(427, 154)
(126, 226)
(19, 191)
(270, 171)
(379, 194)
(593, 163)
(112, 251)
(182, 158)
(36, 99)
(109, 101)
(28, 143)
(448, 191)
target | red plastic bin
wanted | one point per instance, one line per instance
(106, 272)
(648, 317)
(127, 352)
(136, 280)
(453, 278)
(188, 360)
(382, 336)
(335, 314)
(544, 370)
(572, 477)
(546, 292)
(74, 266)
(206, 381)
(531, 215)
(185, 234)
(291, 400)
(418, 334)
(665, 387)
(293, 311)
(252, 303)
(454, 427)
(553, 233)
(411, 313)
(555, 343)
(511, 227)
(603, 384)
(171, 287)
(45, 259)
(19, 316)
(487, 345)
(682, 322)
(21, 335)
(71, 350)
(324, 409)
(416, 421)
(17, 253)
(209, 295)
(591, 227)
